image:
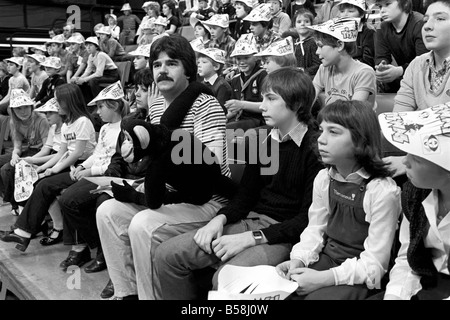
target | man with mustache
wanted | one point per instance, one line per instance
(126, 225)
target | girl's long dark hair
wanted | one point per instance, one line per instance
(70, 98)
(365, 131)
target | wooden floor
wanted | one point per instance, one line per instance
(35, 274)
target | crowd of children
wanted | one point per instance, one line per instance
(303, 79)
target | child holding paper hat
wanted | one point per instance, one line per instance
(16, 81)
(38, 75)
(279, 54)
(243, 108)
(50, 110)
(210, 63)
(52, 66)
(260, 25)
(422, 267)
(29, 132)
(340, 76)
(365, 47)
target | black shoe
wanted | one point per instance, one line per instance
(48, 241)
(99, 264)
(108, 292)
(22, 242)
(76, 259)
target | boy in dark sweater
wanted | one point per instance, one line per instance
(269, 211)
(400, 36)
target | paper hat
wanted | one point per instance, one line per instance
(112, 15)
(50, 106)
(57, 39)
(38, 57)
(16, 60)
(125, 7)
(104, 30)
(260, 13)
(245, 45)
(76, 38)
(219, 20)
(52, 62)
(197, 44)
(41, 48)
(345, 29)
(143, 50)
(146, 4)
(215, 54)
(113, 92)
(280, 1)
(19, 98)
(148, 24)
(278, 48)
(423, 133)
(357, 3)
(249, 3)
(161, 21)
(93, 40)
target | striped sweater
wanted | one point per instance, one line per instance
(206, 120)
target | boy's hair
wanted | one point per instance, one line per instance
(362, 13)
(143, 77)
(71, 99)
(120, 106)
(265, 24)
(404, 5)
(214, 63)
(365, 131)
(328, 40)
(246, 7)
(445, 2)
(176, 47)
(288, 60)
(296, 89)
(303, 12)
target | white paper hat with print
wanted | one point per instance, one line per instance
(19, 98)
(219, 20)
(148, 24)
(125, 7)
(50, 106)
(52, 62)
(42, 48)
(197, 44)
(104, 30)
(423, 133)
(112, 92)
(357, 3)
(40, 58)
(76, 38)
(143, 50)
(161, 21)
(57, 39)
(344, 29)
(16, 60)
(278, 48)
(246, 45)
(93, 40)
(215, 54)
(260, 13)
(249, 3)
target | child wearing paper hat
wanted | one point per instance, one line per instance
(210, 62)
(340, 76)
(220, 37)
(38, 75)
(243, 108)
(130, 22)
(279, 54)
(365, 46)
(202, 33)
(16, 81)
(260, 25)
(141, 56)
(421, 267)
(29, 133)
(52, 66)
(243, 8)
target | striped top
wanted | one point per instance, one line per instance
(206, 120)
